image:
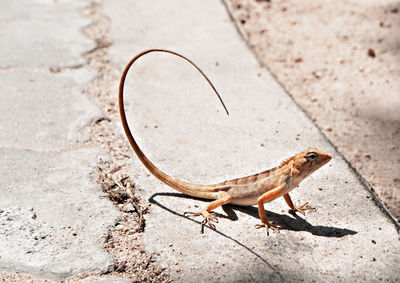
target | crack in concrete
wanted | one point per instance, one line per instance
(55, 69)
(130, 261)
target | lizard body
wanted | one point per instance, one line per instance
(255, 189)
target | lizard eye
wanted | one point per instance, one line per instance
(312, 156)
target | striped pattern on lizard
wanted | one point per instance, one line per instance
(255, 189)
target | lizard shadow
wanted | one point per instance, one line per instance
(297, 223)
(153, 201)
(294, 223)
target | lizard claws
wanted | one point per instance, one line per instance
(303, 208)
(208, 218)
(268, 225)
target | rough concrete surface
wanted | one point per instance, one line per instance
(53, 219)
(42, 34)
(52, 111)
(183, 130)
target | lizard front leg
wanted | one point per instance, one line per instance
(208, 216)
(267, 197)
(301, 208)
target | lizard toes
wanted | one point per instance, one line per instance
(208, 222)
(268, 225)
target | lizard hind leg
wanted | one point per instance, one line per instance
(208, 216)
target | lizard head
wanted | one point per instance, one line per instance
(310, 160)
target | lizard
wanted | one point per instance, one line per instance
(256, 189)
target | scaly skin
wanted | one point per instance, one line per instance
(255, 189)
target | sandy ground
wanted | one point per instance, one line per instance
(124, 243)
(340, 61)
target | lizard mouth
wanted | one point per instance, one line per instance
(325, 158)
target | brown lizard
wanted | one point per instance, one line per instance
(255, 189)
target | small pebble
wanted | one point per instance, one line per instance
(317, 74)
(119, 227)
(128, 208)
(371, 53)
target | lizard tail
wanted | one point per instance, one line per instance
(202, 191)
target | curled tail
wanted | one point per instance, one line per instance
(202, 191)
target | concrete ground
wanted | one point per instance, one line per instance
(351, 91)
(63, 153)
